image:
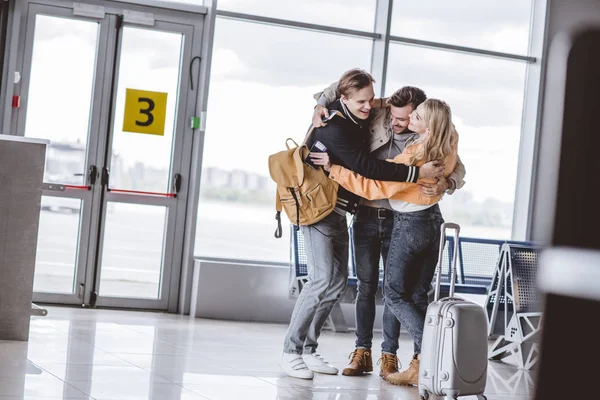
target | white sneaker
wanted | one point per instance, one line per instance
(316, 363)
(294, 366)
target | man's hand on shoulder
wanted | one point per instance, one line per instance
(380, 102)
(318, 115)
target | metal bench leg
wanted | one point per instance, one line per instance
(336, 320)
(519, 340)
(502, 348)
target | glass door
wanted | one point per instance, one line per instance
(142, 179)
(110, 88)
(60, 95)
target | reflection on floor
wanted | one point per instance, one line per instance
(103, 354)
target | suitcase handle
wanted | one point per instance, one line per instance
(438, 280)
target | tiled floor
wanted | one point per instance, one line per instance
(101, 354)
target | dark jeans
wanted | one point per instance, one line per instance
(372, 233)
(412, 259)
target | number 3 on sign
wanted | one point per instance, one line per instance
(145, 112)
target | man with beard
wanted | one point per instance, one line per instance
(373, 223)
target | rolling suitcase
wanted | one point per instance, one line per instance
(454, 349)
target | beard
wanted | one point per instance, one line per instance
(404, 130)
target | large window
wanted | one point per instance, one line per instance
(486, 97)
(262, 81)
(472, 54)
(491, 25)
(348, 14)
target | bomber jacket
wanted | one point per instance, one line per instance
(377, 189)
(345, 141)
(380, 133)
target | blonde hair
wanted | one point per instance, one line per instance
(442, 133)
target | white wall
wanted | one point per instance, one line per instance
(258, 293)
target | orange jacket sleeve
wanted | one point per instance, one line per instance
(370, 189)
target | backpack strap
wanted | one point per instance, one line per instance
(310, 132)
(297, 199)
(293, 141)
(278, 231)
(295, 191)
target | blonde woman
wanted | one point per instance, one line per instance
(413, 252)
(326, 241)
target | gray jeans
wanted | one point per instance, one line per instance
(326, 244)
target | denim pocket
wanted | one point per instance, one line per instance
(419, 231)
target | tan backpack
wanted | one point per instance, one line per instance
(306, 194)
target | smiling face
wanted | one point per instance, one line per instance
(417, 121)
(402, 104)
(359, 102)
(400, 118)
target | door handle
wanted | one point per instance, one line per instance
(176, 183)
(92, 173)
(105, 177)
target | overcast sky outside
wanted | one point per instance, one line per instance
(263, 78)
(270, 73)
(262, 81)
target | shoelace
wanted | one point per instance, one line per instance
(298, 364)
(410, 365)
(360, 358)
(389, 361)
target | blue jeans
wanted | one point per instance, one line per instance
(326, 244)
(411, 266)
(372, 233)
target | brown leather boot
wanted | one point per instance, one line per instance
(388, 364)
(360, 363)
(408, 377)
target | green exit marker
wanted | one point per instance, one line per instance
(195, 122)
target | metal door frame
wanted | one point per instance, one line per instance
(190, 20)
(19, 118)
(173, 205)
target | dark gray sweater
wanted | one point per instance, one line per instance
(385, 152)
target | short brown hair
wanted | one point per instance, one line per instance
(354, 79)
(408, 95)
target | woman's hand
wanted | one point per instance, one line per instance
(318, 115)
(321, 159)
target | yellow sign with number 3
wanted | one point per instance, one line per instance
(145, 112)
